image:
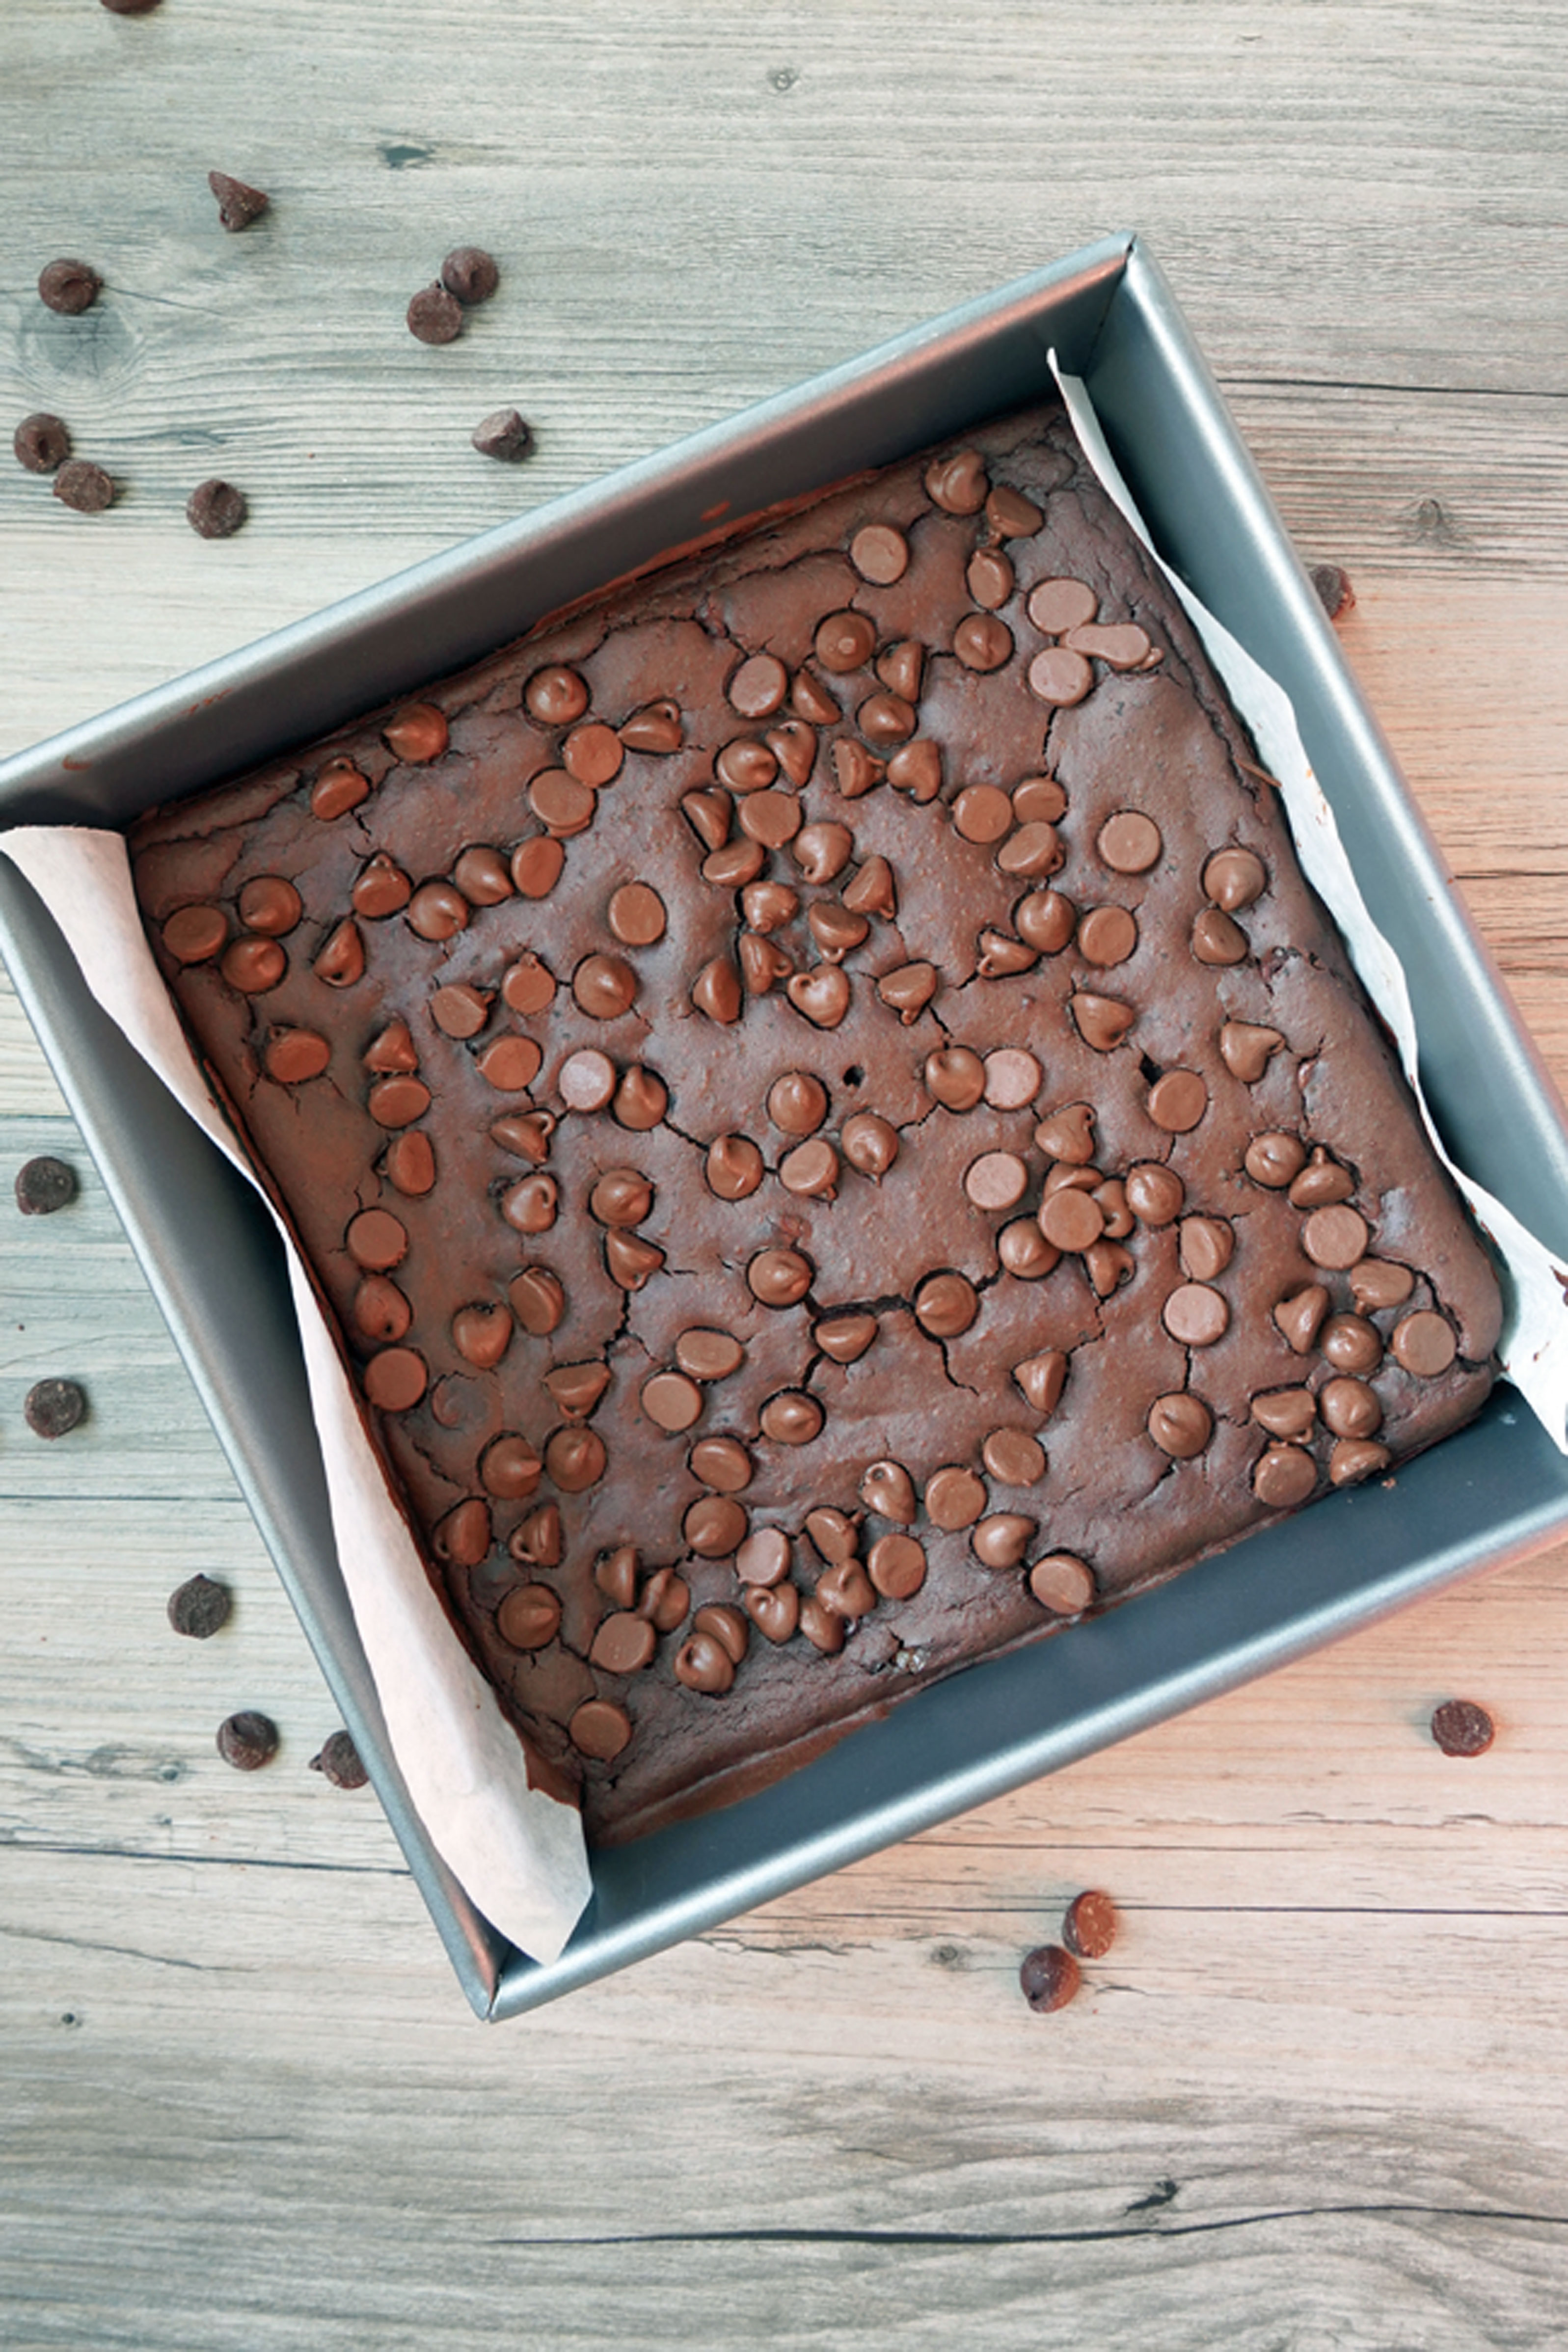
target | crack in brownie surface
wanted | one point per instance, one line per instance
(833, 1130)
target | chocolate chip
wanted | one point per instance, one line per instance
(845, 1337)
(1041, 1380)
(1107, 935)
(845, 641)
(1011, 515)
(53, 1408)
(879, 553)
(1102, 1021)
(338, 1761)
(247, 1740)
(1350, 1408)
(1352, 1459)
(703, 1663)
(1235, 878)
(41, 443)
(1351, 1344)
(215, 509)
(199, 1607)
(1217, 940)
(83, 486)
(1181, 1424)
(888, 1490)
(1334, 591)
(945, 1306)
(338, 788)
(503, 434)
(958, 484)
(734, 1167)
(237, 206)
(896, 1567)
(990, 578)
(1059, 677)
(416, 734)
(792, 1418)
(623, 1645)
(1049, 1976)
(1047, 921)
(44, 1185)
(1246, 1047)
(780, 1278)
(1424, 1344)
(68, 287)
(1377, 1282)
(1071, 1220)
(983, 642)
(1335, 1237)
(717, 991)
(1284, 1476)
(1120, 645)
(1055, 606)
(470, 274)
(1321, 1183)
(1129, 841)
(1299, 1316)
(1461, 1727)
(1178, 1100)
(955, 1077)
(434, 316)
(397, 1378)
(723, 1464)
(600, 1729)
(1001, 1539)
(130, 8)
(1062, 1583)
(1089, 1931)
(1275, 1160)
(1196, 1316)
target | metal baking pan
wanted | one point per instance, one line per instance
(1492, 1492)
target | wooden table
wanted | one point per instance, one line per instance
(1314, 2097)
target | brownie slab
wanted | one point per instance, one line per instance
(833, 1131)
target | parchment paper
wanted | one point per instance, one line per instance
(1533, 1350)
(519, 1853)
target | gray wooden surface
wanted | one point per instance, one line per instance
(1312, 2102)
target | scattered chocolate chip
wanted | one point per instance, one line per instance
(215, 509)
(41, 443)
(338, 1761)
(434, 316)
(53, 1408)
(1090, 1927)
(1049, 1976)
(503, 434)
(1424, 1344)
(44, 1185)
(1461, 1727)
(68, 287)
(199, 1606)
(470, 274)
(1334, 591)
(247, 1740)
(237, 204)
(83, 486)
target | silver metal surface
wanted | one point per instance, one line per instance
(1492, 1492)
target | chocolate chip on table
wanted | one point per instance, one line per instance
(44, 1185)
(199, 1606)
(338, 1762)
(1461, 1727)
(53, 1408)
(503, 434)
(237, 204)
(68, 287)
(215, 509)
(1049, 1976)
(434, 316)
(247, 1740)
(83, 486)
(1334, 591)
(1090, 1927)
(41, 443)
(470, 274)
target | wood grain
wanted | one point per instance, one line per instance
(1312, 2098)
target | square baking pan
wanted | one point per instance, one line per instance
(1492, 1492)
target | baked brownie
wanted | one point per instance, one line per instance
(833, 1130)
